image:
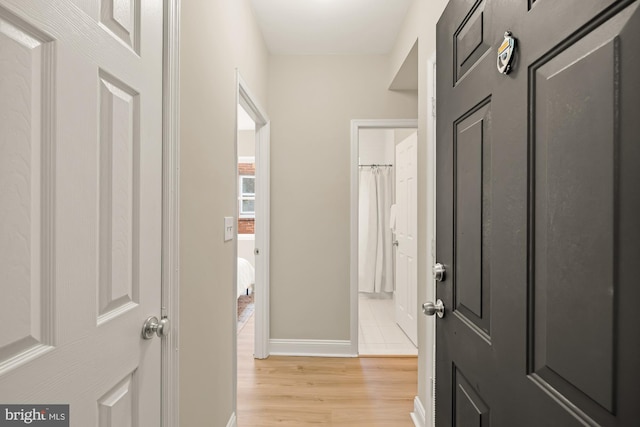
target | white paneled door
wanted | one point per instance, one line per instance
(80, 206)
(406, 234)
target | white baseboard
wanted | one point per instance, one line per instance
(419, 414)
(233, 421)
(319, 348)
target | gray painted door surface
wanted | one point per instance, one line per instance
(538, 211)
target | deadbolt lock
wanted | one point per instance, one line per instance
(439, 272)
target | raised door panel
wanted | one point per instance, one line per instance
(574, 208)
(27, 308)
(119, 198)
(470, 43)
(470, 410)
(472, 218)
(122, 19)
(119, 407)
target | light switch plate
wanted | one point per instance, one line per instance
(228, 228)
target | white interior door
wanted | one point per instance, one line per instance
(406, 234)
(80, 206)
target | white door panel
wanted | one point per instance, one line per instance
(406, 235)
(80, 206)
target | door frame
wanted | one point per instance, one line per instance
(356, 125)
(430, 329)
(249, 102)
(170, 362)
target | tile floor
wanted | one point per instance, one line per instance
(379, 334)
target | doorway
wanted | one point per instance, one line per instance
(252, 156)
(382, 292)
(246, 152)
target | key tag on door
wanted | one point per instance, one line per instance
(506, 53)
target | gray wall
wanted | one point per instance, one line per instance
(312, 101)
(217, 36)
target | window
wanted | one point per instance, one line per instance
(247, 196)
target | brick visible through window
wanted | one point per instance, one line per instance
(246, 226)
(246, 169)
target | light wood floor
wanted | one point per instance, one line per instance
(312, 391)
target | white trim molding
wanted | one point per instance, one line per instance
(233, 421)
(418, 415)
(430, 322)
(356, 125)
(262, 233)
(170, 376)
(250, 104)
(246, 159)
(314, 348)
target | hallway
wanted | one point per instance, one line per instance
(300, 391)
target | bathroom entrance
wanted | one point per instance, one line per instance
(387, 244)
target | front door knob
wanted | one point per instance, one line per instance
(430, 308)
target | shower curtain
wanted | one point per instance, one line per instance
(375, 267)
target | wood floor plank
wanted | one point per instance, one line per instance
(313, 391)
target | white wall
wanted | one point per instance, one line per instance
(314, 100)
(246, 143)
(376, 146)
(217, 36)
(420, 24)
(400, 135)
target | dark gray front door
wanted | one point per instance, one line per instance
(538, 214)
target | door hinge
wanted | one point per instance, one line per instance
(433, 107)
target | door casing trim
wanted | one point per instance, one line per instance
(170, 362)
(250, 103)
(430, 329)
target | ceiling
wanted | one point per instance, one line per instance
(323, 27)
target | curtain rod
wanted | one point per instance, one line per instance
(375, 165)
